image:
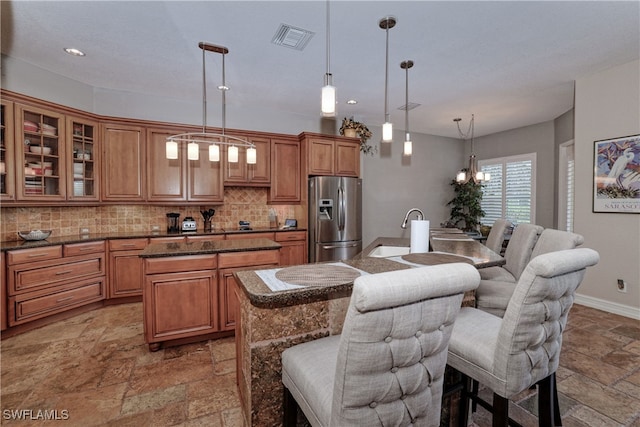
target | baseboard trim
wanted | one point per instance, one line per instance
(608, 306)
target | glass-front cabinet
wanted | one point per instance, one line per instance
(40, 154)
(82, 173)
(7, 162)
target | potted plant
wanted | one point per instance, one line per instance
(352, 128)
(465, 206)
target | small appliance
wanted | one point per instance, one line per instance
(244, 225)
(172, 222)
(188, 224)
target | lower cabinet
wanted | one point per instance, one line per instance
(3, 294)
(294, 247)
(125, 268)
(180, 298)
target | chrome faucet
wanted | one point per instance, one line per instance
(406, 217)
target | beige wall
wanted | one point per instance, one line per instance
(607, 106)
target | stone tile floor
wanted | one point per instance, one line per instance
(96, 370)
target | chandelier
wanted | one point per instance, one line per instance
(471, 173)
(213, 140)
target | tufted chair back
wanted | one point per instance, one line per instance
(496, 235)
(520, 247)
(556, 240)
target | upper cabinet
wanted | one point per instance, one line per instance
(285, 171)
(181, 180)
(83, 172)
(7, 153)
(331, 155)
(123, 163)
(40, 160)
(241, 173)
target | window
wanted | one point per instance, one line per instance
(566, 185)
(511, 191)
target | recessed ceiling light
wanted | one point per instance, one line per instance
(73, 51)
(352, 102)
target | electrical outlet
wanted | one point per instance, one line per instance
(84, 231)
(155, 228)
(622, 286)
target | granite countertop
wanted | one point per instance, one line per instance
(60, 240)
(159, 250)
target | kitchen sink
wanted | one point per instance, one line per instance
(388, 251)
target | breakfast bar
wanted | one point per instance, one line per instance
(282, 307)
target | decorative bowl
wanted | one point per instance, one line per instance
(40, 150)
(34, 234)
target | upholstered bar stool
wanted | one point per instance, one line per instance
(510, 354)
(387, 366)
(495, 239)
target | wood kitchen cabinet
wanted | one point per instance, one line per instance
(123, 163)
(294, 247)
(181, 180)
(7, 152)
(285, 171)
(243, 174)
(180, 298)
(126, 275)
(331, 155)
(40, 161)
(48, 280)
(3, 294)
(230, 262)
(83, 153)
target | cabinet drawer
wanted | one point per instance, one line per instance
(172, 239)
(177, 264)
(27, 309)
(236, 236)
(288, 236)
(34, 254)
(248, 258)
(84, 248)
(26, 279)
(127, 244)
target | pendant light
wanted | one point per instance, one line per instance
(408, 149)
(213, 140)
(471, 173)
(387, 127)
(328, 90)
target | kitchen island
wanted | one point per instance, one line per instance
(273, 316)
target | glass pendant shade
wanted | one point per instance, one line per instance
(387, 132)
(252, 156)
(171, 150)
(461, 176)
(329, 101)
(214, 153)
(233, 154)
(408, 147)
(192, 151)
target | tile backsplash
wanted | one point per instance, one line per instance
(240, 203)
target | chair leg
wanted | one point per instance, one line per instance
(548, 413)
(556, 404)
(463, 406)
(500, 411)
(475, 385)
(290, 407)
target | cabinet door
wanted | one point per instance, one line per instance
(40, 162)
(125, 274)
(3, 294)
(241, 173)
(83, 155)
(123, 163)
(347, 161)
(7, 152)
(180, 305)
(293, 253)
(285, 171)
(321, 153)
(205, 178)
(228, 300)
(166, 178)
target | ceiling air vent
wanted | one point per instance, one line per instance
(410, 106)
(292, 37)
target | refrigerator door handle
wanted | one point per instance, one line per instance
(351, 245)
(341, 208)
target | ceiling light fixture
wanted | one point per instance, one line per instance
(387, 127)
(408, 149)
(213, 140)
(471, 173)
(73, 51)
(328, 90)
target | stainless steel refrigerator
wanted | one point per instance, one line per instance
(335, 218)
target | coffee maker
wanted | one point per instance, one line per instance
(172, 222)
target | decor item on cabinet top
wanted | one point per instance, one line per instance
(352, 128)
(471, 173)
(213, 140)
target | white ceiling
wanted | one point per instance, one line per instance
(510, 63)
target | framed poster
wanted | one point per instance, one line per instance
(616, 175)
